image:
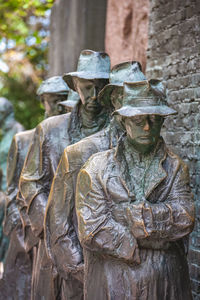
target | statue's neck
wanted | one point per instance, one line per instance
(90, 120)
(142, 151)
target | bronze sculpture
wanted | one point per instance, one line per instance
(16, 282)
(50, 139)
(134, 208)
(60, 221)
(68, 105)
(8, 128)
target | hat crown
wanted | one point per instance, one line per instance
(144, 93)
(93, 62)
(53, 85)
(130, 71)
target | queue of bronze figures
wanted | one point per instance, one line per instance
(97, 206)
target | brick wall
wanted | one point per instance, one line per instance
(174, 55)
(127, 30)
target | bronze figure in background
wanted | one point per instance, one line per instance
(8, 128)
(16, 283)
(60, 220)
(68, 105)
(51, 137)
(134, 208)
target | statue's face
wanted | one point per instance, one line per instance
(143, 131)
(50, 102)
(88, 91)
(117, 98)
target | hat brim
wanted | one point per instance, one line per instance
(105, 93)
(69, 103)
(53, 93)
(68, 78)
(129, 111)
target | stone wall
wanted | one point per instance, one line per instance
(75, 25)
(173, 54)
(127, 30)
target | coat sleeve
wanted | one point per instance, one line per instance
(98, 231)
(61, 240)
(12, 216)
(169, 220)
(34, 181)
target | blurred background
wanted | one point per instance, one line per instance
(41, 38)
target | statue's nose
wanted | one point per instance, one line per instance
(94, 97)
(146, 126)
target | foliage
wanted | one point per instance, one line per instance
(24, 35)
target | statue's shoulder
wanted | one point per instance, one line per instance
(100, 161)
(97, 142)
(18, 127)
(55, 122)
(24, 136)
(176, 160)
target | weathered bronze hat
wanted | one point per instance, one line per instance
(144, 98)
(72, 100)
(53, 85)
(91, 65)
(130, 71)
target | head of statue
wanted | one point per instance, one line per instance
(68, 105)
(111, 95)
(143, 111)
(91, 76)
(6, 109)
(52, 91)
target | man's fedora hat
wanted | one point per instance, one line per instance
(144, 98)
(91, 65)
(130, 71)
(72, 100)
(53, 85)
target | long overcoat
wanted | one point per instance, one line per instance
(16, 280)
(51, 137)
(60, 220)
(133, 244)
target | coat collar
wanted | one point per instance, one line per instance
(154, 173)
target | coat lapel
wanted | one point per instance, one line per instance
(153, 177)
(155, 173)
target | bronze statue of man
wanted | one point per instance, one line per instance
(134, 208)
(16, 280)
(52, 136)
(60, 220)
(8, 128)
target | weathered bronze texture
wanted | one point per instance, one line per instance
(8, 128)
(68, 105)
(50, 139)
(16, 280)
(135, 209)
(60, 220)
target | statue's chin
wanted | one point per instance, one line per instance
(144, 146)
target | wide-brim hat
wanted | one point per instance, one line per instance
(91, 65)
(144, 98)
(72, 99)
(130, 71)
(53, 85)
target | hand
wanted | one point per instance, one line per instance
(135, 218)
